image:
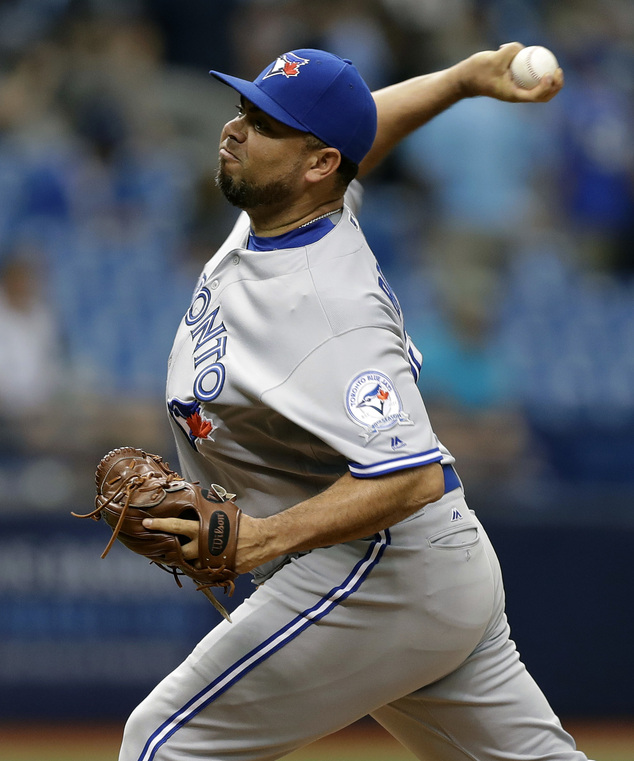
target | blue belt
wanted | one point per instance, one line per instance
(451, 478)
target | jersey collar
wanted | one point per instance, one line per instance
(301, 236)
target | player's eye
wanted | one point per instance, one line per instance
(259, 125)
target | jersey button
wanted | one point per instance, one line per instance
(214, 284)
(236, 260)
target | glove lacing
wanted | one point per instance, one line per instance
(130, 486)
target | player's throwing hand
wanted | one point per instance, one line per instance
(489, 73)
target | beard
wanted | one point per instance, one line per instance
(246, 195)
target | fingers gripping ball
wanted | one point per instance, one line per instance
(531, 64)
(133, 485)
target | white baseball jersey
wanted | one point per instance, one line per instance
(293, 366)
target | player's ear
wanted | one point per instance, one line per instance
(322, 163)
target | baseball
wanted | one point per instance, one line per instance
(530, 65)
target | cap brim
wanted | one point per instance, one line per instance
(263, 101)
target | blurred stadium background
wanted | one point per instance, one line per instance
(506, 230)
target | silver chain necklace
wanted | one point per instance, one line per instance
(323, 216)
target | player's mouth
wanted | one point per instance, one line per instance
(226, 155)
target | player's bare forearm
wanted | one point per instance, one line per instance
(351, 508)
(406, 106)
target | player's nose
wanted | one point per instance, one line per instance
(235, 129)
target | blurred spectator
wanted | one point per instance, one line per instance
(597, 165)
(595, 146)
(24, 22)
(463, 364)
(31, 355)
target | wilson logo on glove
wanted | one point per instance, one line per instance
(219, 532)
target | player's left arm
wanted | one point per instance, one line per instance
(352, 508)
(408, 105)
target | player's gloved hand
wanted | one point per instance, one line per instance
(133, 486)
(489, 73)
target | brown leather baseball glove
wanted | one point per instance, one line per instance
(133, 485)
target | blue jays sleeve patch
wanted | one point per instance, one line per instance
(373, 403)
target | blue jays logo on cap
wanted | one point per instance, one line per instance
(373, 403)
(287, 65)
(187, 415)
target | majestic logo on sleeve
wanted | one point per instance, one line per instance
(188, 416)
(286, 65)
(373, 403)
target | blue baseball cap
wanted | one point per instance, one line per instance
(317, 92)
